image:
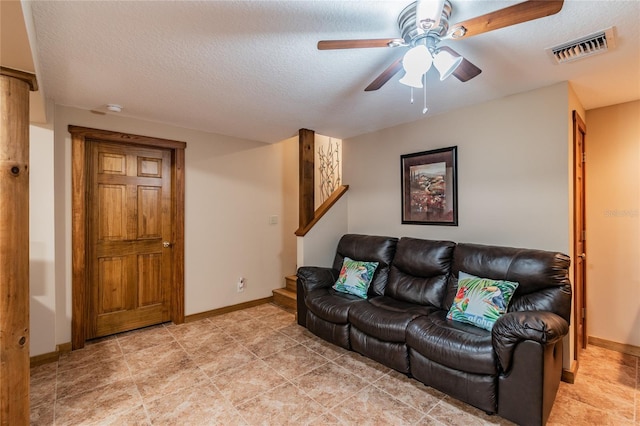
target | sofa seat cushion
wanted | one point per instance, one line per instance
(460, 346)
(330, 305)
(386, 318)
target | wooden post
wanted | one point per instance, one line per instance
(306, 143)
(14, 245)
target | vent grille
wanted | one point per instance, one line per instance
(600, 42)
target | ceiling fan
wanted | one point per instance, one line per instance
(425, 23)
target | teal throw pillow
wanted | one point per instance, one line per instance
(355, 277)
(480, 301)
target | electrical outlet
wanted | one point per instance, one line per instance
(241, 285)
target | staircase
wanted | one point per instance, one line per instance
(286, 297)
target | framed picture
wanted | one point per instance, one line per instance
(430, 187)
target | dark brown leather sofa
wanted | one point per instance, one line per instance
(513, 370)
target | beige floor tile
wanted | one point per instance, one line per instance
(268, 343)
(362, 366)
(450, 411)
(233, 357)
(285, 404)
(241, 330)
(230, 318)
(263, 310)
(607, 396)
(213, 341)
(91, 354)
(295, 361)
(42, 384)
(157, 358)
(154, 383)
(82, 379)
(410, 391)
(254, 378)
(195, 373)
(100, 404)
(569, 412)
(326, 349)
(144, 338)
(326, 419)
(299, 333)
(192, 330)
(371, 406)
(610, 366)
(320, 384)
(196, 405)
(41, 415)
(279, 320)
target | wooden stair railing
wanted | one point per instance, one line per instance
(323, 209)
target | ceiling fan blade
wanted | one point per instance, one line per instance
(385, 76)
(466, 70)
(512, 15)
(356, 44)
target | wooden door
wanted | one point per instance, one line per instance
(579, 249)
(127, 202)
(130, 219)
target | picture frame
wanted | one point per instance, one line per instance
(429, 182)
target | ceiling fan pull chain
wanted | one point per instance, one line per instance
(424, 91)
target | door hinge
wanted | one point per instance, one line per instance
(584, 313)
(584, 157)
(584, 235)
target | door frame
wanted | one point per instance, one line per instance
(579, 238)
(80, 136)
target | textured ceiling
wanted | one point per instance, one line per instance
(251, 69)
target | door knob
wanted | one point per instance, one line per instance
(166, 244)
(583, 256)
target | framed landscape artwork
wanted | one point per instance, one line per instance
(429, 187)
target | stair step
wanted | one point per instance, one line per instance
(285, 298)
(291, 281)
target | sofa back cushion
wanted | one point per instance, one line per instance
(543, 276)
(419, 271)
(368, 248)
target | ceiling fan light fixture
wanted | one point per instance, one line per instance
(428, 13)
(412, 80)
(446, 63)
(417, 60)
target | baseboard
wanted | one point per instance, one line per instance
(227, 309)
(615, 346)
(569, 376)
(50, 356)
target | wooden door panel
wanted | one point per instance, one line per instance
(149, 216)
(130, 216)
(149, 167)
(150, 279)
(112, 163)
(113, 284)
(112, 212)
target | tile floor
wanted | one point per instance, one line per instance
(258, 367)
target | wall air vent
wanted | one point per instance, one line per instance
(590, 45)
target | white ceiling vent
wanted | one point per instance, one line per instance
(593, 44)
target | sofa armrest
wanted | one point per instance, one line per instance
(514, 327)
(315, 277)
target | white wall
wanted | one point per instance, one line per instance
(233, 187)
(42, 303)
(318, 246)
(613, 223)
(512, 172)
